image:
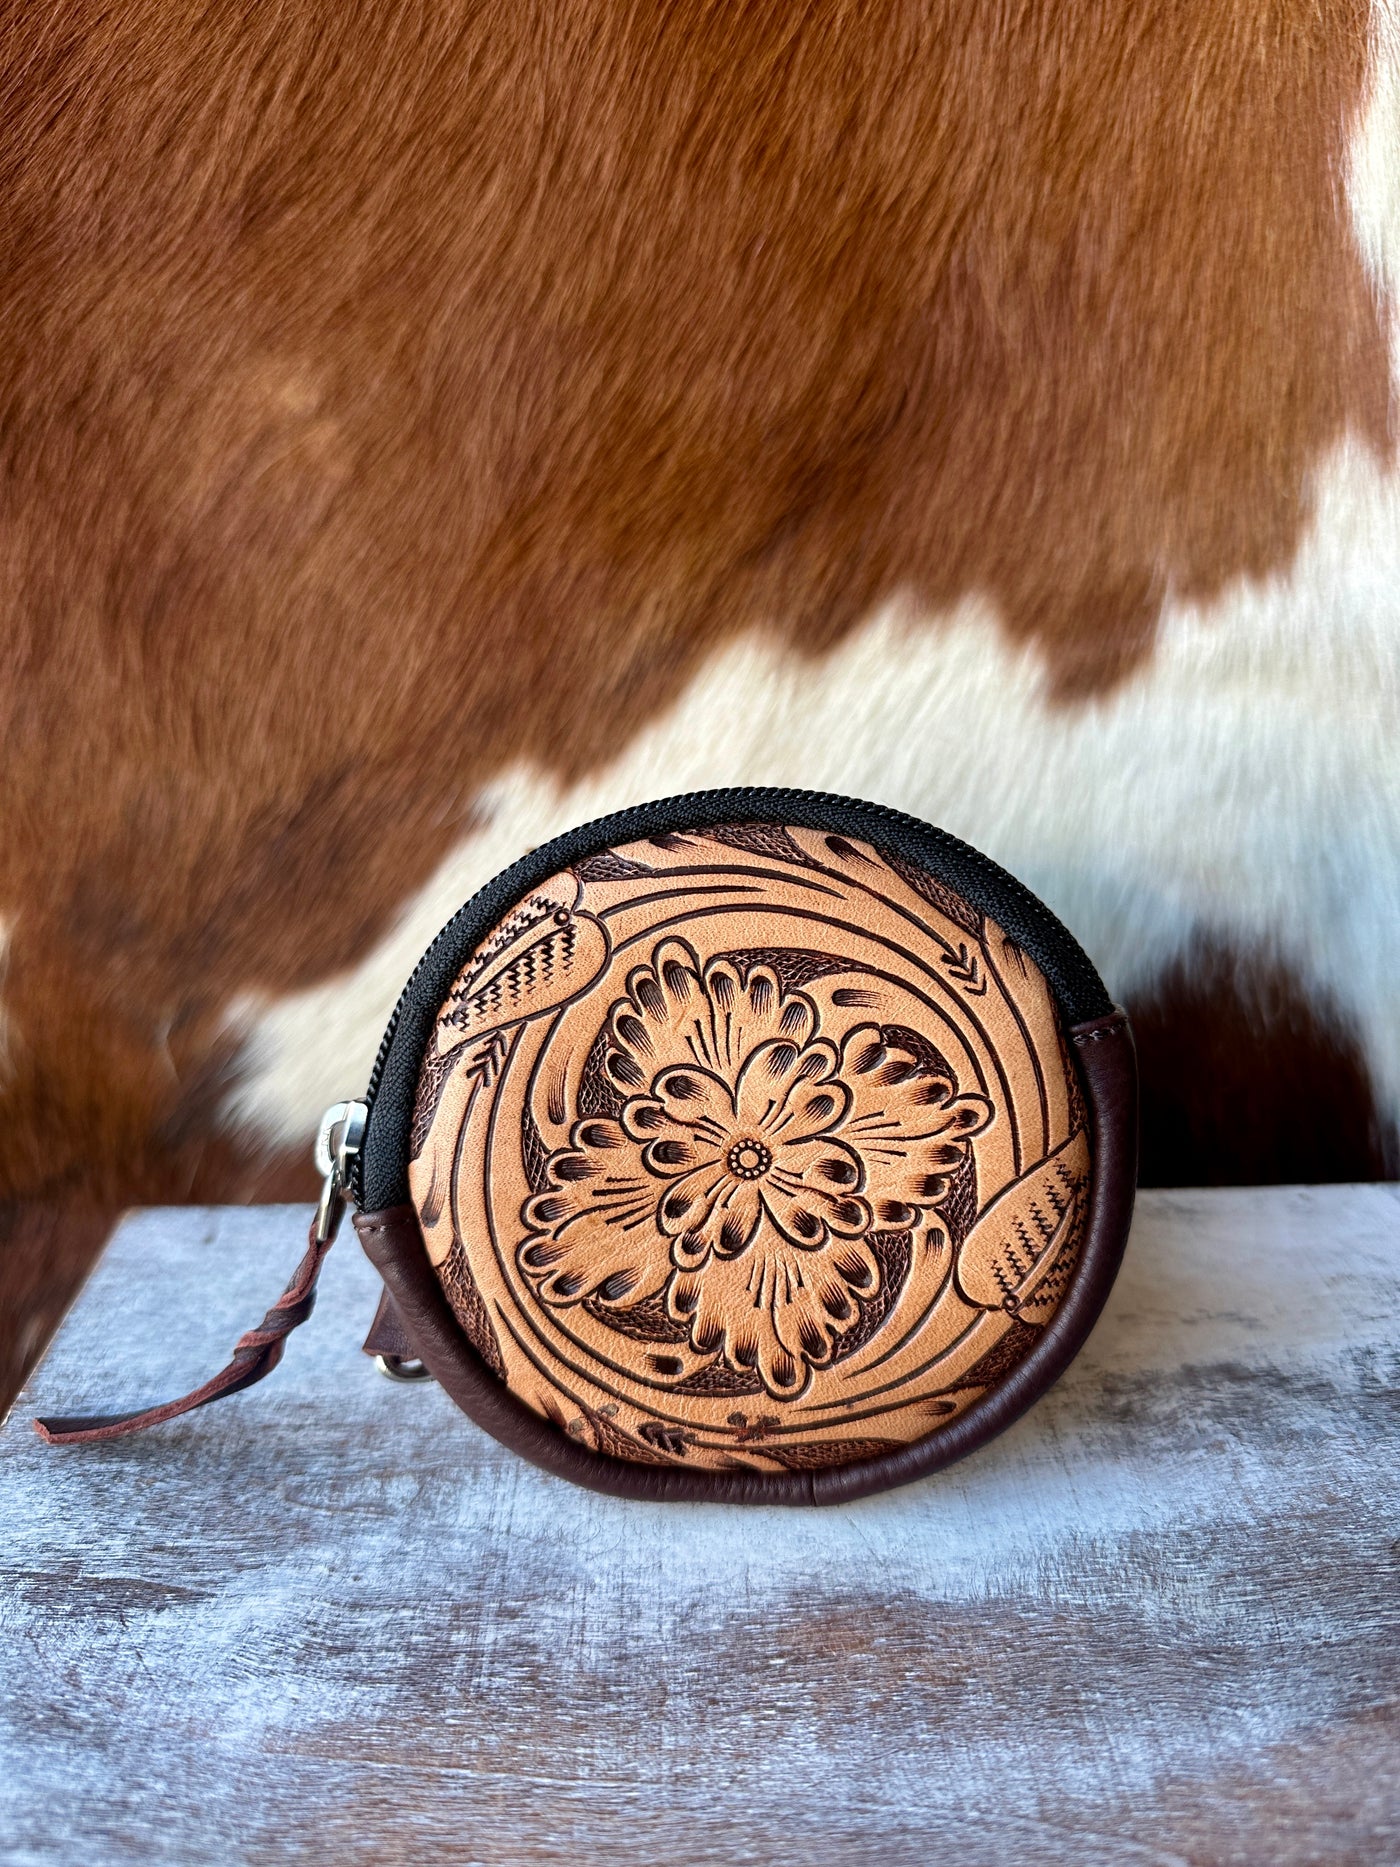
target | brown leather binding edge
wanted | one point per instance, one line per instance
(1107, 1063)
(255, 1354)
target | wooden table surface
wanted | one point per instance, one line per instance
(328, 1620)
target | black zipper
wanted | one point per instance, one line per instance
(1071, 973)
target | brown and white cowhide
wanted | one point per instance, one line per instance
(422, 429)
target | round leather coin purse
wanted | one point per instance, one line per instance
(752, 1144)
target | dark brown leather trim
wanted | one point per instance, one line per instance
(388, 1334)
(1108, 1069)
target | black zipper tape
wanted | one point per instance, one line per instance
(380, 1177)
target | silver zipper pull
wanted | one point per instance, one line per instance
(338, 1143)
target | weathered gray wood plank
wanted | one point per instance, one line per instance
(329, 1621)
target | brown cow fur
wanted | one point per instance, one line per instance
(389, 393)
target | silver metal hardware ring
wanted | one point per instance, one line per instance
(397, 1368)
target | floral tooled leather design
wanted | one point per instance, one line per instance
(752, 1159)
(750, 1148)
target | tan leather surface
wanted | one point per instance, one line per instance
(744, 1150)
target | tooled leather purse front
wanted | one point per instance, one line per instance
(750, 1145)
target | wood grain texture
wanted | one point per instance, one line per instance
(1158, 1621)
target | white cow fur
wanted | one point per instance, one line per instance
(1245, 783)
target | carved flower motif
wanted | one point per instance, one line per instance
(751, 1161)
